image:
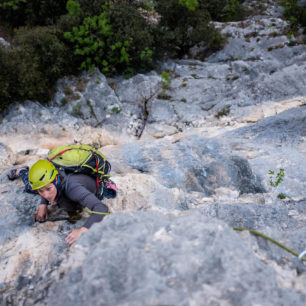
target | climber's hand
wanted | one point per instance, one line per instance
(42, 213)
(74, 235)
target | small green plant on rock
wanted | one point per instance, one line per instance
(76, 110)
(163, 96)
(274, 182)
(281, 196)
(276, 179)
(68, 91)
(81, 85)
(294, 12)
(116, 110)
(223, 112)
(64, 101)
(166, 80)
(92, 112)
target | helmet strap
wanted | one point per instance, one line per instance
(57, 182)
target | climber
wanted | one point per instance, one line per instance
(72, 192)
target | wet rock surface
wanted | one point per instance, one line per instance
(191, 162)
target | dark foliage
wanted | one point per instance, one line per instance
(31, 66)
(180, 29)
(224, 10)
(295, 13)
(118, 40)
(33, 12)
(113, 35)
(129, 25)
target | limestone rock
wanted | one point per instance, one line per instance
(6, 155)
(190, 161)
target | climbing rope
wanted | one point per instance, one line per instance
(300, 256)
(95, 212)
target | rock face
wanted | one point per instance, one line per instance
(191, 161)
(6, 155)
(165, 259)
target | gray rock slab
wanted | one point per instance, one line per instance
(282, 221)
(287, 127)
(191, 164)
(7, 156)
(167, 260)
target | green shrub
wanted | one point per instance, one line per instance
(129, 25)
(73, 8)
(166, 80)
(91, 8)
(115, 41)
(281, 196)
(190, 4)
(95, 7)
(32, 64)
(64, 101)
(11, 4)
(93, 43)
(295, 13)
(45, 12)
(233, 11)
(11, 13)
(224, 10)
(8, 78)
(112, 35)
(180, 29)
(77, 110)
(223, 112)
(214, 7)
(279, 177)
(44, 45)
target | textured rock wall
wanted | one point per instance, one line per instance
(190, 162)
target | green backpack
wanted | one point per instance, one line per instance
(81, 159)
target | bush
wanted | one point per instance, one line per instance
(116, 36)
(115, 41)
(180, 28)
(11, 13)
(95, 7)
(91, 8)
(44, 44)
(129, 25)
(44, 12)
(31, 66)
(295, 13)
(224, 10)
(31, 12)
(8, 79)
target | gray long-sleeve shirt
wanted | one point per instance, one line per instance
(76, 192)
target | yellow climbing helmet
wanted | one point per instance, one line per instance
(41, 174)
